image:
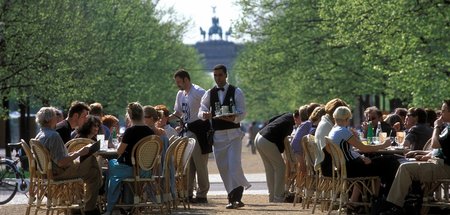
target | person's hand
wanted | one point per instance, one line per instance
(366, 160)
(438, 122)
(396, 126)
(207, 115)
(422, 157)
(178, 129)
(364, 126)
(411, 154)
(159, 131)
(83, 151)
(387, 143)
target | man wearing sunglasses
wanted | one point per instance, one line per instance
(374, 115)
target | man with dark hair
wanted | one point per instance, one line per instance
(402, 113)
(425, 172)
(187, 105)
(374, 115)
(96, 109)
(420, 132)
(224, 105)
(75, 118)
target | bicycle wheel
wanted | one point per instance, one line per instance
(8, 182)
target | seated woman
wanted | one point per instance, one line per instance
(90, 128)
(121, 168)
(315, 117)
(151, 116)
(112, 123)
(396, 123)
(163, 121)
(357, 165)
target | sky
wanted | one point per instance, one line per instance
(201, 12)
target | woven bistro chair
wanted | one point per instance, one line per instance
(311, 176)
(169, 189)
(61, 195)
(33, 179)
(167, 177)
(291, 168)
(182, 155)
(76, 144)
(342, 186)
(144, 156)
(436, 194)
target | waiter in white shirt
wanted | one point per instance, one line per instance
(228, 135)
(187, 105)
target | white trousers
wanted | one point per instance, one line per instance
(227, 152)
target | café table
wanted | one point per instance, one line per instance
(386, 151)
(109, 153)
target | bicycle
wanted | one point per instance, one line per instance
(12, 178)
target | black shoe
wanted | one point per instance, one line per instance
(201, 200)
(125, 211)
(394, 210)
(92, 212)
(231, 205)
(290, 199)
(192, 200)
(240, 204)
(75, 211)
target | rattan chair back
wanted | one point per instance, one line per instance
(76, 144)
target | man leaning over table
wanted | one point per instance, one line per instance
(227, 135)
(187, 105)
(422, 171)
(77, 115)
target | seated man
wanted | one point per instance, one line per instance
(64, 164)
(419, 132)
(422, 171)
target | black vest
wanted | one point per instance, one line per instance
(219, 124)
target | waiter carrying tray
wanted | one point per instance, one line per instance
(224, 105)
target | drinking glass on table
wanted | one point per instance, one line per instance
(103, 144)
(400, 138)
(376, 140)
(383, 136)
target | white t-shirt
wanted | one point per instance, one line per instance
(189, 104)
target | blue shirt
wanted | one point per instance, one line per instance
(54, 144)
(300, 132)
(340, 136)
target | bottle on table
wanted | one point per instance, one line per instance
(392, 138)
(378, 138)
(114, 139)
(369, 132)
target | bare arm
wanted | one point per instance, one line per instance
(121, 148)
(366, 148)
(436, 131)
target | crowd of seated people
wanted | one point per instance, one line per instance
(422, 127)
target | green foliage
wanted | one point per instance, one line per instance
(113, 52)
(313, 51)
